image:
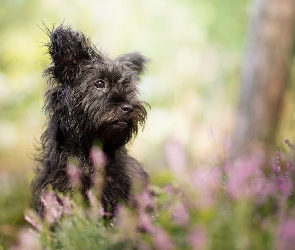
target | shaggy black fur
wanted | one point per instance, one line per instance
(90, 97)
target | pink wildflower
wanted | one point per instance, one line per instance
(161, 240)
(169, 189)
(98, 157)
(285, 185)
(180, 214)
(175, 156)
(145, 200)
(145, 221)
(74, 175)
(67, 205)
(198, 239)
(28, 240)
(286, 234)
(53, 210)
(246, 179)
(206, 182)
(34, 220)
(96, 210)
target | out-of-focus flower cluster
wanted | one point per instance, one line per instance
(246, 203)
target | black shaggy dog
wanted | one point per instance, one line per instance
(90, 97)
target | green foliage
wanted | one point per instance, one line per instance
(179, 36)
(80, 233)
(14, 199)
(252, 208)
(196, 49)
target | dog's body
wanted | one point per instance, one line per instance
(90, 98)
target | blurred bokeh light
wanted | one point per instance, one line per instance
(195, 47)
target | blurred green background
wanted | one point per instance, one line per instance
(196, 48)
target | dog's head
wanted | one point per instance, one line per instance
(90, 95)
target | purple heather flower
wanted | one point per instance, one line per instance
(67, 205)
(285, 185)
(198, 239)
(285, 235)
(175, 156)
(28, 240)
(289, 167)
(145, 221)
(145, 200)
(206, 182)
(161, 240)
(247, 180)
(169, 189)
(53, 210)
(96, 210)
(180, 214)
(276, 168)
(92, 199)
(98, 157)
(34, 220)
(74, 175)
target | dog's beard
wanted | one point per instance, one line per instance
(114, 135)
(115, 131)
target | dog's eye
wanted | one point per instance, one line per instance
(100, 84)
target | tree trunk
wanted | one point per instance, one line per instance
(265, 73)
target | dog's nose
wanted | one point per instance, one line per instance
(127, 108)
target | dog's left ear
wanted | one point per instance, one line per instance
(67, 49)
(135, 61)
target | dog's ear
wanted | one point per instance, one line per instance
(67, 49)
(135, 61)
